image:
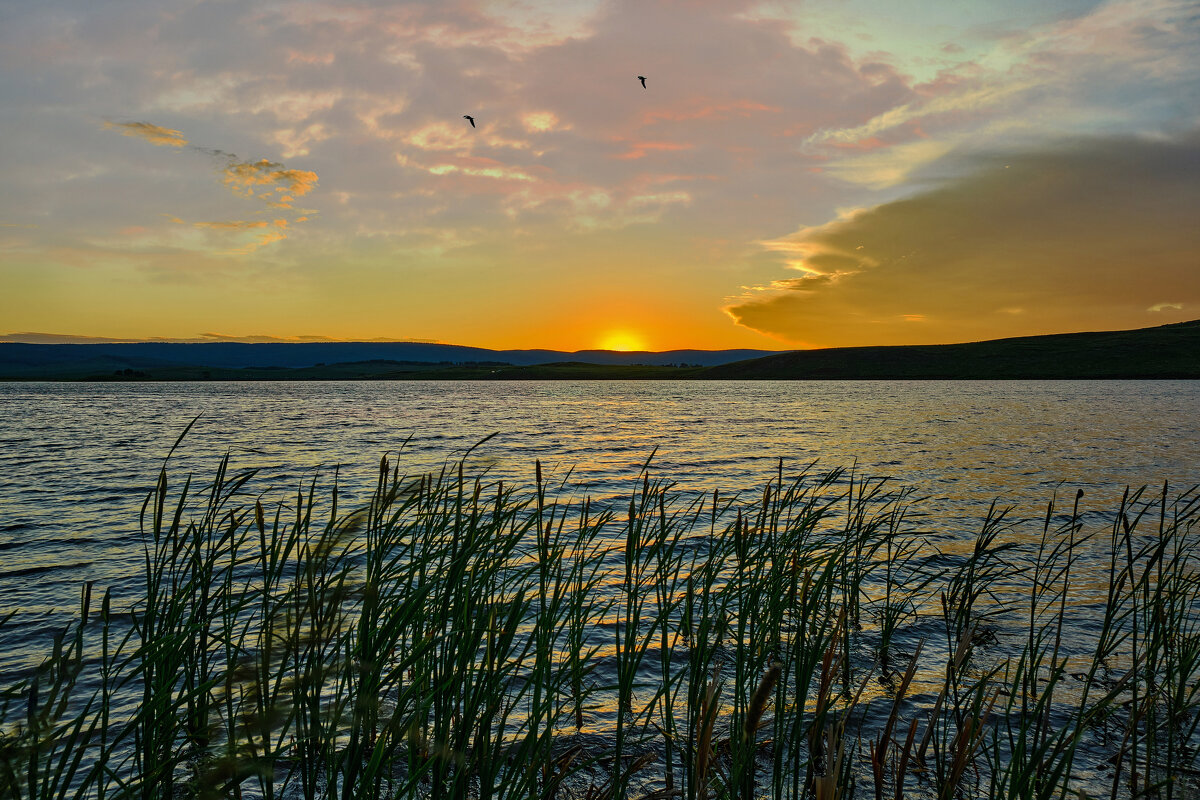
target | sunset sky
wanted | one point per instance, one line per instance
(794, 174)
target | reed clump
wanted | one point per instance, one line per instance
(459, 637)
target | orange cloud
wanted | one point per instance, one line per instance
(244, 176)
(268, 181)
(153, 134)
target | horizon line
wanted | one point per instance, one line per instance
(36, 338)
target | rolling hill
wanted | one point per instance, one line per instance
(189, 360)
(1167, 351)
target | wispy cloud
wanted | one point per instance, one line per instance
(970, 98)
(265, 232)
(267, 181)
(231, 225)
(154, 134)
(1105, 71)
(32, 337)
(481, 168)
(641, 149)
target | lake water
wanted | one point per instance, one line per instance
(76, 460)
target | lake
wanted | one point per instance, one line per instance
(77, 459)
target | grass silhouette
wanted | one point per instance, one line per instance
(458, 637)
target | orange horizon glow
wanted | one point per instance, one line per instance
(622, 341)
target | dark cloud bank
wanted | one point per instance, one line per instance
(1098, 234)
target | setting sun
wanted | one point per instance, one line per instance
(622, 340)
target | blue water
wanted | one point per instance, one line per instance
(76, 460)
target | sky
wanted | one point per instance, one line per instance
(793, 175)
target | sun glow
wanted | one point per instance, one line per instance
(622, 340)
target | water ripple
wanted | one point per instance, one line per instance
(76, 460)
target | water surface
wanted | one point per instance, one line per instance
(77, 459)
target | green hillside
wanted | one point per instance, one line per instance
(1168, 351)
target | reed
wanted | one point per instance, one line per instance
(458, 637)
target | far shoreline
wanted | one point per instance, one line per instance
(1166, 352)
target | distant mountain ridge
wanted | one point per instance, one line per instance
(18, 359)
(1167, 351)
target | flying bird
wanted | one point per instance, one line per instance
(469, 119)
(642, 78)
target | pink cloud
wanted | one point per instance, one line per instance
(701, 110)
(640, 149)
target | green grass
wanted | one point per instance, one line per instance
(460, 637)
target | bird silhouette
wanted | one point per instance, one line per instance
(469, 119)
(642, 78)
